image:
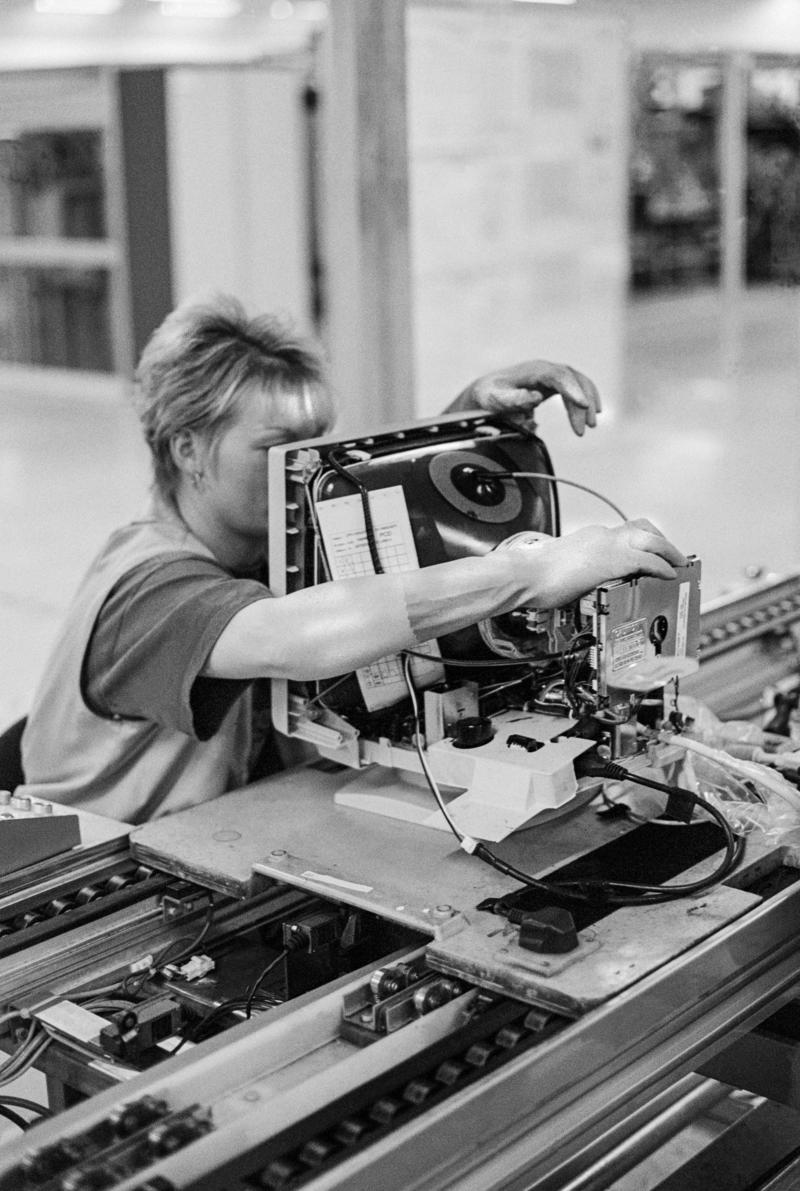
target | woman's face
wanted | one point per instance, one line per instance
(235, 489)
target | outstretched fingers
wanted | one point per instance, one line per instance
(522, 387)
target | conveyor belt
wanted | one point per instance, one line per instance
(39, 915)
(496, 1031)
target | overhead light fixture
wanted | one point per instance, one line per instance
(213, 9)
(90, 8)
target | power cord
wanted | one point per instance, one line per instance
(624, 893)
(29, 1105)
(14, 1117)
(589, 891)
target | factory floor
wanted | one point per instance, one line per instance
(703, 440)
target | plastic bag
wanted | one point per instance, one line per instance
(752, 797)
(702, 724)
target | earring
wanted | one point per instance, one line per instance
(197, 480)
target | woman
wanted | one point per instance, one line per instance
(148, 702)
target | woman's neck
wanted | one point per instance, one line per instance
(236, 552)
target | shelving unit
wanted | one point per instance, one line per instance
(84, 259)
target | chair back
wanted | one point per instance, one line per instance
(11, 774)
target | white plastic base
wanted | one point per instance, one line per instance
(491, 790)
(396, 795)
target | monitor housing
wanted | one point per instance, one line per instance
(505, 706)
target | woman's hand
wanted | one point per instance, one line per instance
(519, 389)
(564, 568)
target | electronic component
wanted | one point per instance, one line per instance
(182, 900)
(195, 968)
(132, 1032)
(313, 931)
(570, 678)
(32, 829)
(437, 491)
(647, 632)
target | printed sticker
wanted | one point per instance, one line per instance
(628, 644)
(681, 629)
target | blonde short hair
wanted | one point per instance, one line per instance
(201, 358)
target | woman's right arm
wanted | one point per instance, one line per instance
(326, 630)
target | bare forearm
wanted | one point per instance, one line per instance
(335, 627)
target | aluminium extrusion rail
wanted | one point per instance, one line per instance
(533, 1121)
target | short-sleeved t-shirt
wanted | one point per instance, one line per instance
(151, 640)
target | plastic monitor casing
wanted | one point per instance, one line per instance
(445, 525)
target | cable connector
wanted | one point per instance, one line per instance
(590, 764)
(680, 803)
(293, 938)
(616, 773)
(196, 967)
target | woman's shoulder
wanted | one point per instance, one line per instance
(155, 533)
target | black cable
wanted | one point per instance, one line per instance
(586, 891)
(363, 492)
(618, 893)
(572, 660)
(262, 976)
(492, 663)
(193, 1034)
(246, 1002)
(14, 1117)
(623, 893)
(596, 892)
(470, 663)
(29, 1105)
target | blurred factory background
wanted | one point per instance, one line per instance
(434, 189)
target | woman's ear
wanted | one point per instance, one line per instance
(184, 450)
